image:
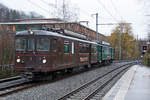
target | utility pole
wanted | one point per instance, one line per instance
(96, 26)
(120, 33)
(64, 10)
(137, 45)
(64, 14)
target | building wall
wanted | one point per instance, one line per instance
(75, 27)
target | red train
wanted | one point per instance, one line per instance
(40, 52)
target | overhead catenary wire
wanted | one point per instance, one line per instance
(49, 4)
(107, 10)
(114, 6)
(38, 6)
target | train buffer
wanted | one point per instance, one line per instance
(133, 85)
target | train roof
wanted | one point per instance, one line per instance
(48, 33)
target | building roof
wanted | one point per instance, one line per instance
(44, 21)
(39, 19)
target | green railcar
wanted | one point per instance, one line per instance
(106, 53)
(112, 53)
(99, 53)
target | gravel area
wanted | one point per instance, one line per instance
(54, 90)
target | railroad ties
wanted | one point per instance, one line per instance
(12, 84)
(95, 89)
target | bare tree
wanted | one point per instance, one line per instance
(67, 12)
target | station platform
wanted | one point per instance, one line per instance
(133, 85)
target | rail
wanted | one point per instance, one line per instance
(84, 86)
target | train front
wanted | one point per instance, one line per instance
(30, 51)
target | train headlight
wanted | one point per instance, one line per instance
(44, 61)
(18, 60)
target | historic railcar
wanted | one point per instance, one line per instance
(40, 52)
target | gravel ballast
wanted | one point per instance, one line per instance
(55, 90)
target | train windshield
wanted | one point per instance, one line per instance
(31, 44)
(43, 44)
(20, 44)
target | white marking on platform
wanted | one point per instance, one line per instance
(120, 89)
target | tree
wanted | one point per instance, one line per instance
(128, 42)
(67, 12)
(7, 15)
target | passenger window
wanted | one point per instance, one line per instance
(43, 44)
(66, 46)
(80, 49)
(20, 44)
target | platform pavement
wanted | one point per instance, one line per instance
(133, 85)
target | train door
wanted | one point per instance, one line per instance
(60, 52)
(54, 52)
(90, 51)
(99, 53)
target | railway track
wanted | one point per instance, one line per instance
(12, 84)
(16, 84)
(94, 89)
(10, 79)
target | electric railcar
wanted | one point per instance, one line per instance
(40, 52)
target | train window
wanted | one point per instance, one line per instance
(66, 46)
(92, 49)
(80, 49)
(43, 44)
(20, 44)
(83, 48)
(72, 48)
(31, 44)
(54, 45)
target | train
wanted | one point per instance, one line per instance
(41, 52)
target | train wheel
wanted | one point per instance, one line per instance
(69, 70)
(89, 65)
(53, 74)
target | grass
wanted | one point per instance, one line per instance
(8, 73)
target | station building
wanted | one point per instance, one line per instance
(33, 24)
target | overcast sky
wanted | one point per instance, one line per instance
(110, 11)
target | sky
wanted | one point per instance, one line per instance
(109, 11)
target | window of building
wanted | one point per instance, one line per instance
(35, 27)
(20, 27)
(9, 28)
